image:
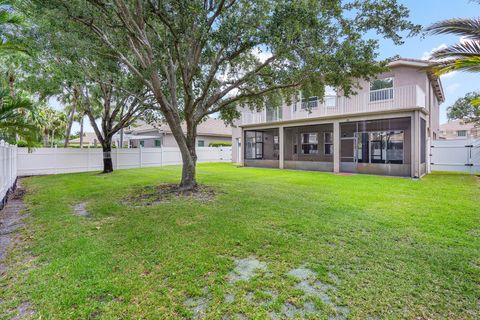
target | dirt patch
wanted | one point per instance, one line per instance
(23, 311)
(153, 195)
(312, 286)
(245, 269)
(80, 210)
(199, 305)
(10, 221)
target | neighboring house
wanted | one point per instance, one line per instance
(384, 129)
(89, 140)
(148, 136)
(458, 129)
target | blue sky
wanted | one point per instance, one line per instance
(426, 12)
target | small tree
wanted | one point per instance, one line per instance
(199, 57)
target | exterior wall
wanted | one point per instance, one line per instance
(261, 163)
(453, 135)
(404, 121)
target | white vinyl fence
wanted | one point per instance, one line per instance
(59, 160)
(8, 170)
(461, 155)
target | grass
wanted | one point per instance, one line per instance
(400, 248)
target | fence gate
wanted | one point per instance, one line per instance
(462, 155)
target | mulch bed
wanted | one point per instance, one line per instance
(153, 195)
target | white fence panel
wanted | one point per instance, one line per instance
(8, 170)
(460, 155)
(59, 160)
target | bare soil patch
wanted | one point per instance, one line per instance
(80, 209)
(11, 220)
(153, 195)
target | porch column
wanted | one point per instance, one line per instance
(281, 147)
(336, 147)
(415, 129)
(242, 148)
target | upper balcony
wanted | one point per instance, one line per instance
(395, 98)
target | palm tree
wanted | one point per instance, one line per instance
(462, 56)
(14, 121)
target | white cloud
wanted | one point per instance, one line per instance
(427, 54)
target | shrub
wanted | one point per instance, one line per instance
(220, 144)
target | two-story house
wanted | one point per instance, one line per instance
(384, 129)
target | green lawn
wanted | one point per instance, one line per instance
(382, 247)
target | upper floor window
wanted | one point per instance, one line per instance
(461, 133)
(381, 89)
(310, 103)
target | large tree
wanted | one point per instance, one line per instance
(464, 109)
(200, 57)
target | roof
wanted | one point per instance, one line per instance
(422, 64)
(88, 137)
(455, 125)
(209, 127)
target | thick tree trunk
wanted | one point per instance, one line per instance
(189, 160)
(107, 156)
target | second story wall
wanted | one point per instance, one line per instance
(405, 86)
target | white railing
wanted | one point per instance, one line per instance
(8, 170)
(67, 160)
(379, 100)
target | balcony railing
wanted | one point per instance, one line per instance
(379, 100)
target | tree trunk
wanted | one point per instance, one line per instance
(107, 156)
(53, 138)
(81, 132)
(69, 128)
(189, 161)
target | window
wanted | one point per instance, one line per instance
(158, 143)
(461, 133)
(276, 144)
(328, 143)
(201, 143)
(309, 103)
(309, 143)
(142, 143)
(253, 145)
(381, 89)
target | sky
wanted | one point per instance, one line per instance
(426, 12)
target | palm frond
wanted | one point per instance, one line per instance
(465, 49)
(468, 28)
(470, 64)
(475, 102)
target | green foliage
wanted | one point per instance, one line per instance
(464, 56)
(465, 108)
(220, 144)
